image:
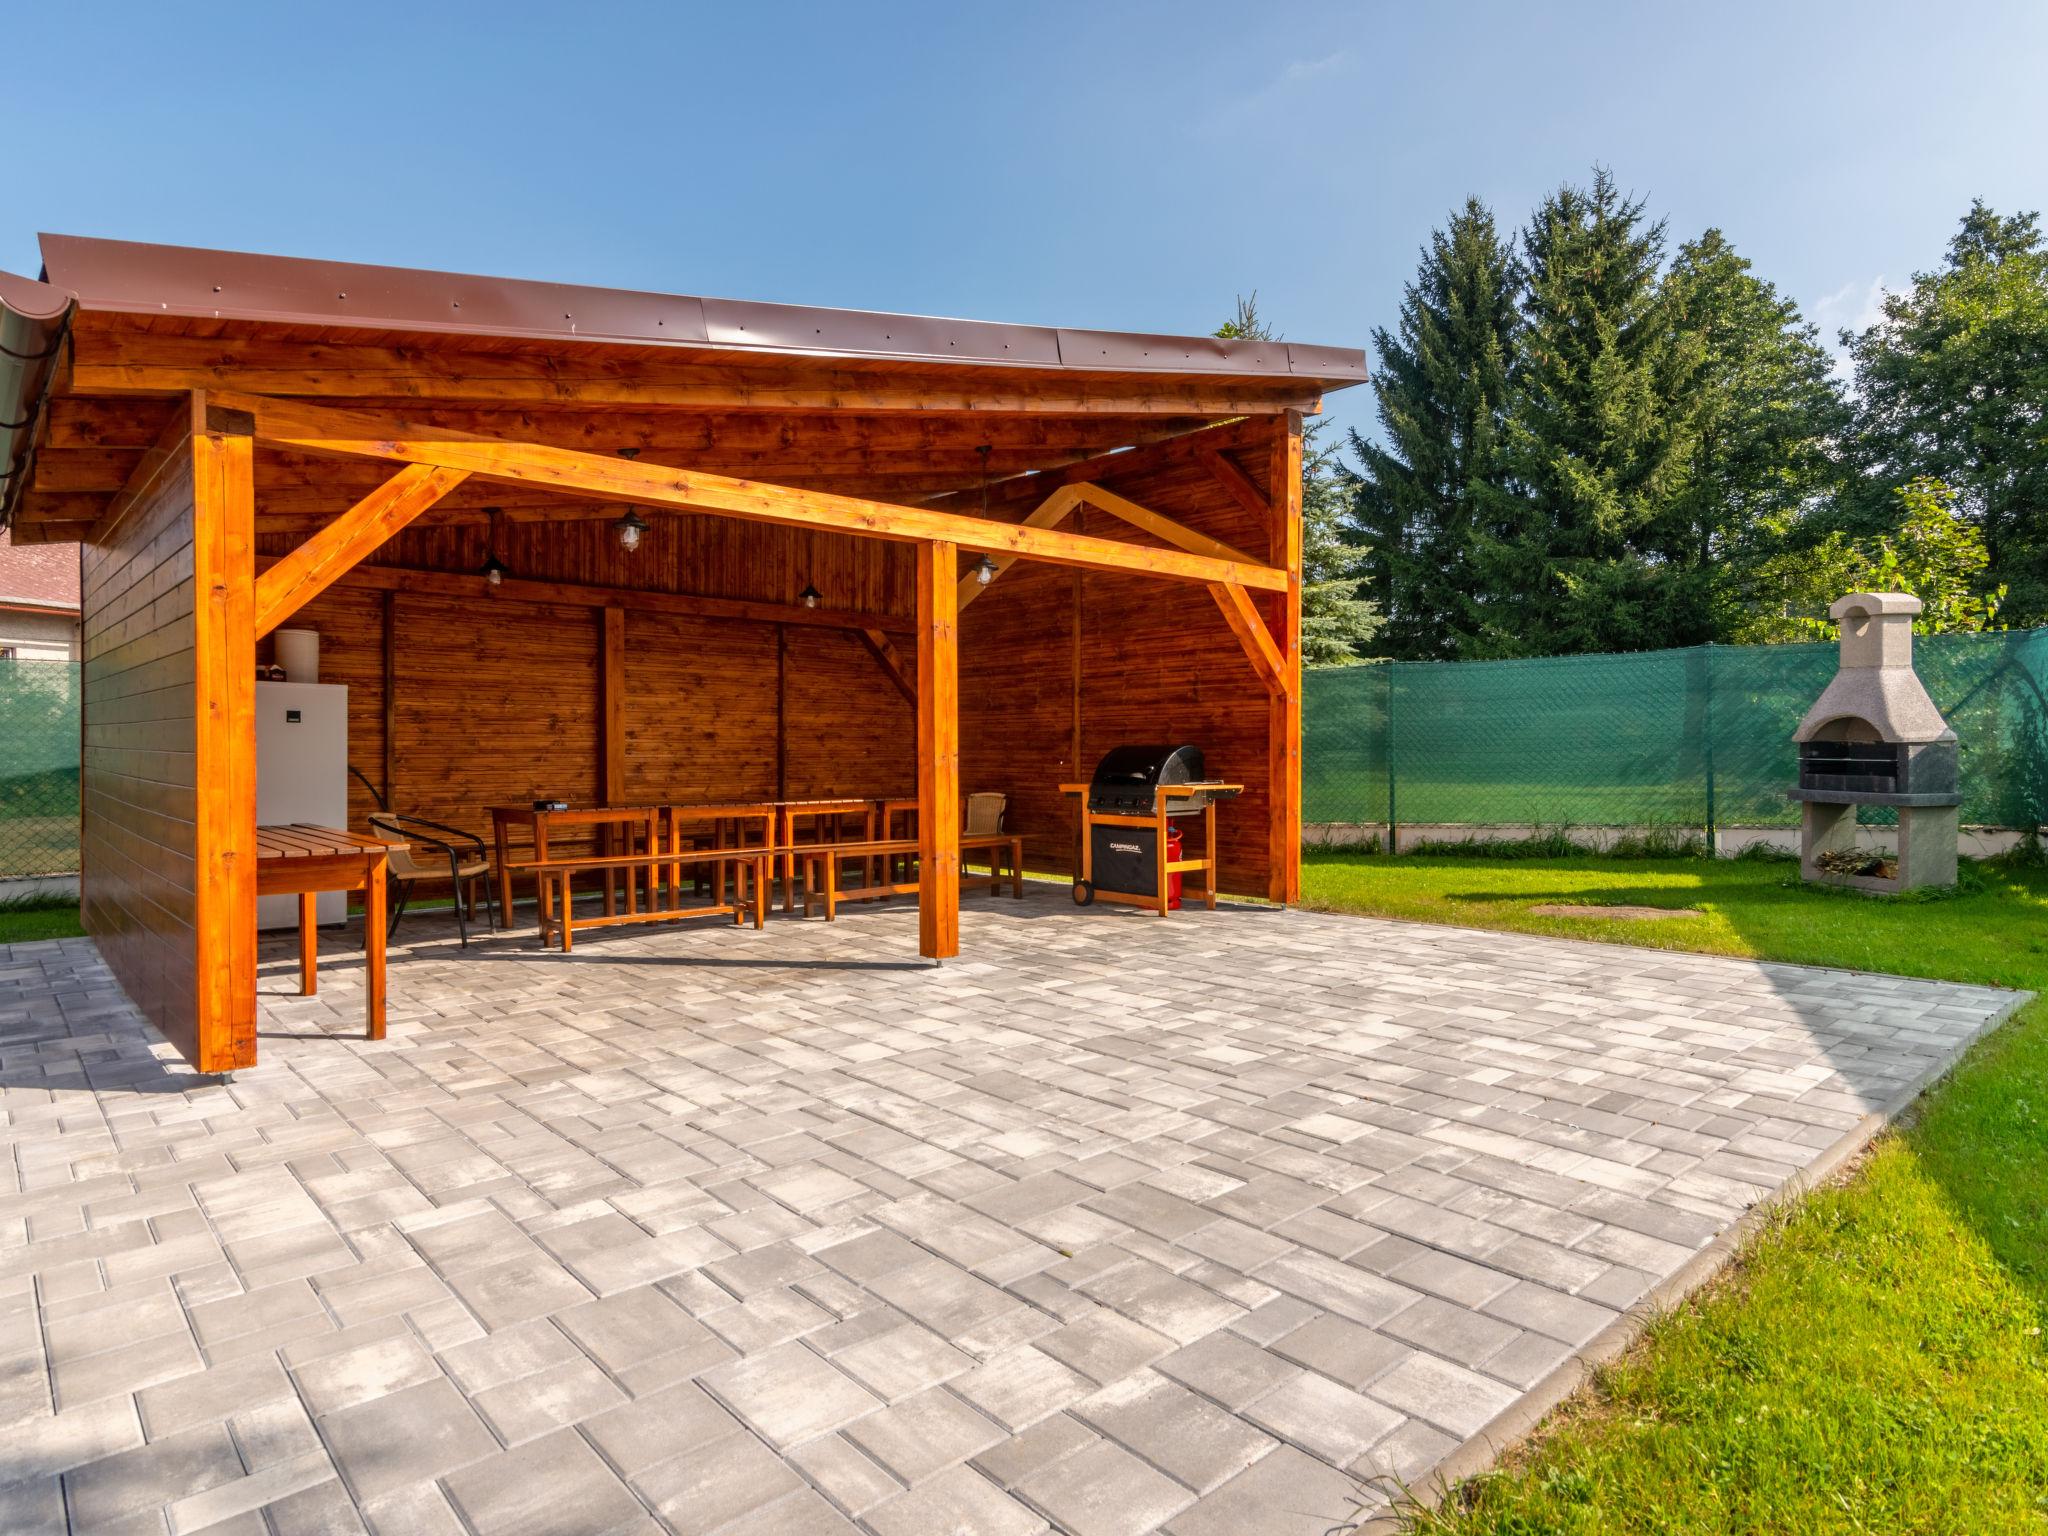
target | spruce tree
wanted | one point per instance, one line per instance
(1441, 385)
(1601, 429)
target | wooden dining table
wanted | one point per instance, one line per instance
(297, 859)
(736, 824)
(790, 812)
(634, 823)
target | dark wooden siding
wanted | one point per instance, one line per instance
(137, 791)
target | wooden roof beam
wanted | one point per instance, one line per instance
(1049, 513)
(316, 429)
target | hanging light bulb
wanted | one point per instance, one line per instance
(494, 570)
(629, 529)
(809, 596)
(984, 568)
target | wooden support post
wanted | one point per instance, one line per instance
(938, 750)
(1283, 739)
(309, 942)
(224, 683)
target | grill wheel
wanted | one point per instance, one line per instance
(1084, 893)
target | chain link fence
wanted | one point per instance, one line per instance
(38, 767)
(1698, 738)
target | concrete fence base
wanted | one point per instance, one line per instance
(1976, 842)
(35, 887)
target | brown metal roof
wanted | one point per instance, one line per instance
(125, 277)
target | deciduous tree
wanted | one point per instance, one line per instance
(1952, 383)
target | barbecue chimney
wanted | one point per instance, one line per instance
(1874, 737)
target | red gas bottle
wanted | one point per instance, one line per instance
(1173, 845)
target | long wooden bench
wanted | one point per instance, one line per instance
(752, 867)
(820, 868)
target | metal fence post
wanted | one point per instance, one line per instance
(1707, 749)
(1393, 820)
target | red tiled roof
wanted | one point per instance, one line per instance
(45, 575)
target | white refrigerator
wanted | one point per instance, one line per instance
(301, 775)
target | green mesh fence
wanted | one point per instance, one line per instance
(38, 767)
(1691, 738)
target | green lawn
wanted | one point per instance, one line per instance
(1875, 1360)
(38, 918)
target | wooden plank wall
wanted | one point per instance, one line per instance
(1018, 705)
(847, 730)
(137, 792)
(1154, 662)
(497, 702)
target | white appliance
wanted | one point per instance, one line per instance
(301, 775)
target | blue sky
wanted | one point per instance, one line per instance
(1123, 165)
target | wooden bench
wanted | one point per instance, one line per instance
(820, 868)
(552, 876)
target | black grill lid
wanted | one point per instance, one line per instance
(1149, 767)
(1127, 779)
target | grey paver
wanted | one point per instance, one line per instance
(1184, 1435)
(1113, 1223)
(1341, 1349)
(957, 1502)
(1103, 1490)
(788, 1394)
(1288, 1493)
(1323, 1418)
(148, 1476)
(554, 1486)
(709, 1486)
(923, 1434)
(411, 1436)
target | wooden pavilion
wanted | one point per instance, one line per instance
(241, 441)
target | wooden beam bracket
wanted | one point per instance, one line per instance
(1242, 614)
(883, 649)
(294, 581)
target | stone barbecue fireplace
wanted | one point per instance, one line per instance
(1874, 737)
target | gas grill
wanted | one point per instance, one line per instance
(1126, 834)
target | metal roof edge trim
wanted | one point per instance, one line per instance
(34, 318)
(129, 277)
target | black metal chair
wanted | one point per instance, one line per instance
(468, 863)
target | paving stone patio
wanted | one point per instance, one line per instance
(1215, 1226)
